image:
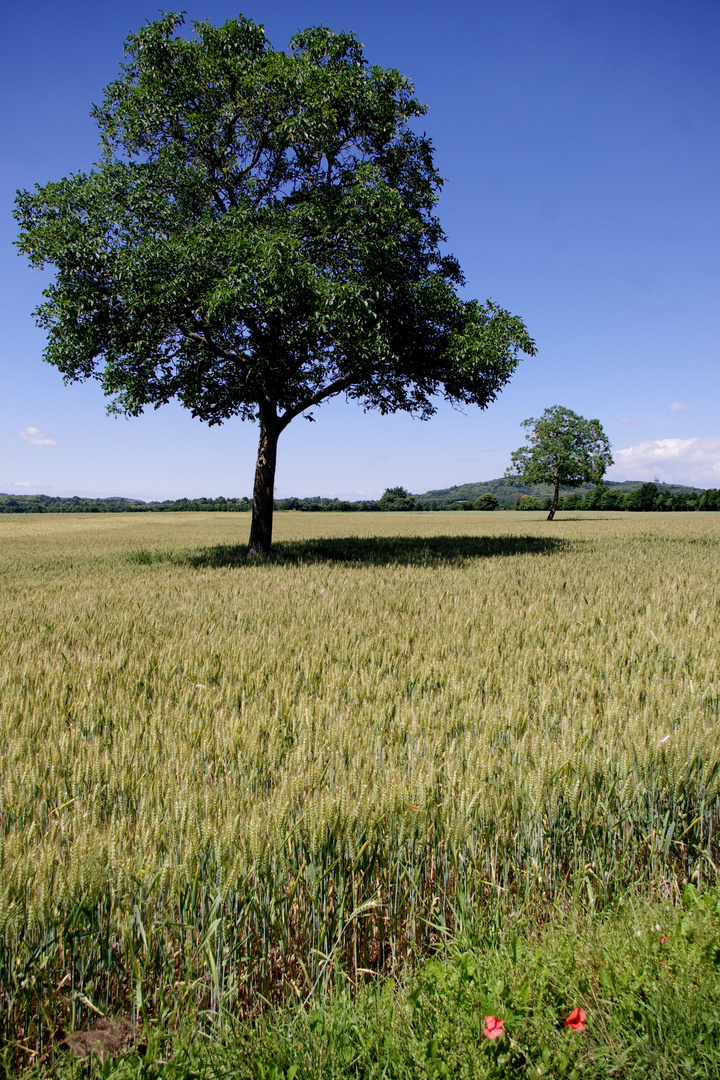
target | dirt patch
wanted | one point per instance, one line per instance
(106, 1040)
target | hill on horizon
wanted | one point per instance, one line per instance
(508, 491)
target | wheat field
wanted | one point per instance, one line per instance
(227, 781)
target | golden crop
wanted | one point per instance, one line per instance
(227, 779)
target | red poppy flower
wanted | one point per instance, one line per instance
(493, 1027)
(662, 940)
(576, 1020)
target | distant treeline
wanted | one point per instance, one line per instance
(644, 497)
(51, 504)
(647, 497)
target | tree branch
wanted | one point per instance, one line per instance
(343, 383)
(204, 338)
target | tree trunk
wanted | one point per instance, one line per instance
(264, 490)
(556, 496)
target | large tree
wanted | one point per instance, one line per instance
(258, 236)
(564, 450)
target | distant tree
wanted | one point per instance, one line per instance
(257, 237)
(529, 502)
(564, 450)
(642, 498)
(709, 500)
(486, 501)
(612, 499)
(592, 500)
(665, 501)
(397, 498)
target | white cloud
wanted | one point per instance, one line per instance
(23, 483)
(35, 437)
(627, 420)
(677, 406)
(679, 461)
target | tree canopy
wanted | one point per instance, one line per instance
(396, 498)
(564, 450)
(257, 236)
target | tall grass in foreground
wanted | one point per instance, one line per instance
(225, 782)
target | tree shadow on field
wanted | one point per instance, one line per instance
(378, 550)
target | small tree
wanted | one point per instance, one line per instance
(396, 498)
(593, 498)
(612, 499)
(709, 500)
(564, 450)
(486, 501)
(257, 237)
(573, 501)
(643, 497)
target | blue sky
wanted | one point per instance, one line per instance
(580, 146)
